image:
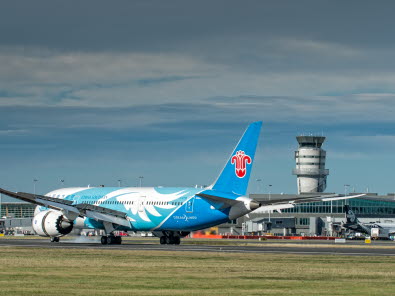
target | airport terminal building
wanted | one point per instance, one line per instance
(315, 218)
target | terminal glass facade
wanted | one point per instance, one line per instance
(17, 210)
(359, 206)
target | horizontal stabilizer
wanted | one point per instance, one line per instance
(217, 201)
(342, 197)
(277, 205)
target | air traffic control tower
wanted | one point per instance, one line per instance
(310, 164)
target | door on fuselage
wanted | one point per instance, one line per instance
(189, 205)
(141, 203)
(76, 199)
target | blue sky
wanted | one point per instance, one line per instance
(92, 92)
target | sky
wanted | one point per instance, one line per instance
(92, 92)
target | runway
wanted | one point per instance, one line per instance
(230, 247)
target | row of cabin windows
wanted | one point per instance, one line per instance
(113, 202)
(58, 196)
(175, 203)
(310, 156)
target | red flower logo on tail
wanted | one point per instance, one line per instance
(240, 160)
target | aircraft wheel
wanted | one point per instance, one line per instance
(104, 240)
(162, 240)
(170, 240)
(54, 239)
(177, 240)
(118, 240)
(111, 240)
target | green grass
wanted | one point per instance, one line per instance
(36, 271)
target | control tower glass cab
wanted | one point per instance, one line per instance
(310, 164)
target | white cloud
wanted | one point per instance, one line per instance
(323, 48)
(13, 131)
(39, 77)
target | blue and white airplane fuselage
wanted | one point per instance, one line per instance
(150, 209)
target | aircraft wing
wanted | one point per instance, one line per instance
(278, 205)
(83, 210)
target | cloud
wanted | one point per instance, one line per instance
(12, 131)
(128, 79)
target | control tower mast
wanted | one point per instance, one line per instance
(310, 164)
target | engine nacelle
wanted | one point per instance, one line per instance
(51, 223)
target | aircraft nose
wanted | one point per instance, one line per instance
(254, 205)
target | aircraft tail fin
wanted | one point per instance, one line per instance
(236, 173)
(350, 215)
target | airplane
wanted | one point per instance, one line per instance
(169, 213)
(352, 223)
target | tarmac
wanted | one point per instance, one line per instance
(303, 248)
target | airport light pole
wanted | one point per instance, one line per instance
(345, 193)
(258, 184)
(141, 180)
(34, 185)
(270, 194)
(62, 182)
(345, 189)
(119, 182)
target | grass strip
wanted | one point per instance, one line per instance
(37, 271)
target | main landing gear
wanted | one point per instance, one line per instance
(170, 237)
(54, 239)
(111, 240)
(170, 240)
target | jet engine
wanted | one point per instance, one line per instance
(51, 223)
